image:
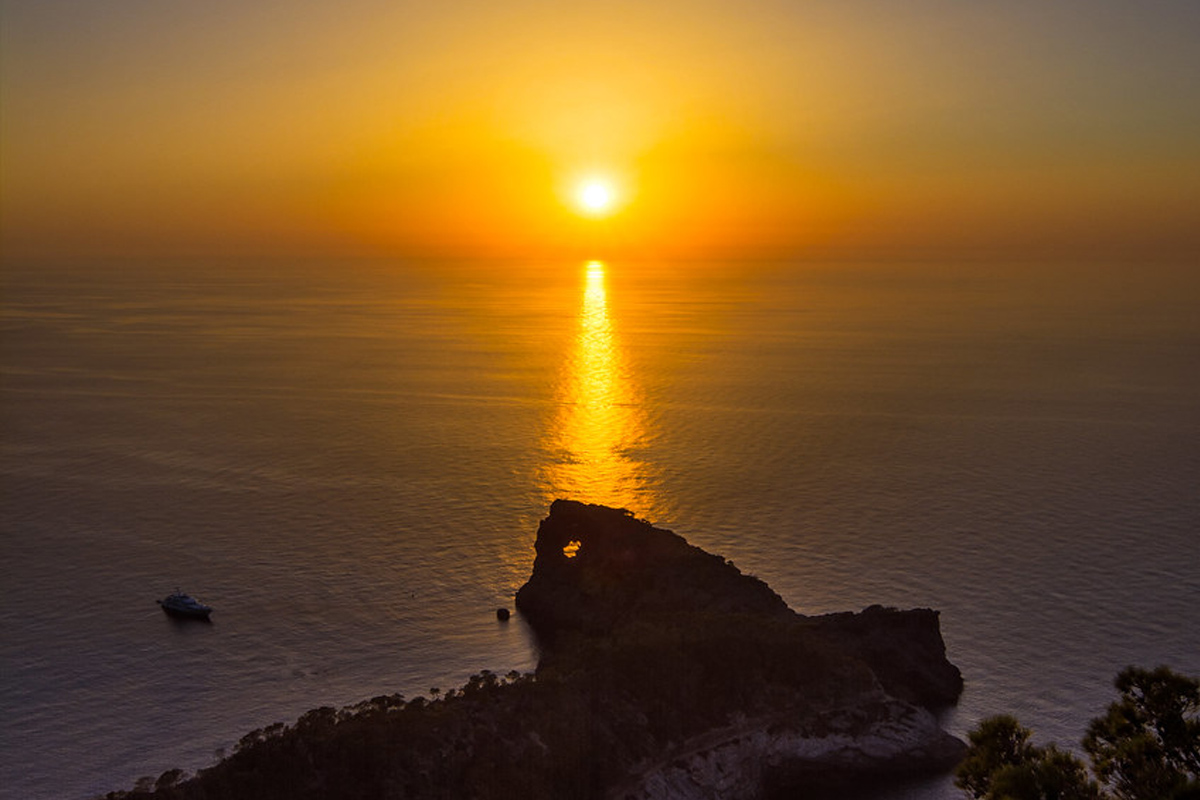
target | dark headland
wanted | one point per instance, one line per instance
(664, 673)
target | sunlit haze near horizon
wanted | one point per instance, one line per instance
(860, 129)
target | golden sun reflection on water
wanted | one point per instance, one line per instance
(594, 437)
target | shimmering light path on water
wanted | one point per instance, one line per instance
(594, 444)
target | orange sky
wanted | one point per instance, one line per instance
(855, 129)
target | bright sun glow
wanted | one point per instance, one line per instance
(595, 197)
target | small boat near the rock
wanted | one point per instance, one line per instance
(179, 604)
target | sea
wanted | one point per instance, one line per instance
(348, 460)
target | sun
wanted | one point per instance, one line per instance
(595, 197)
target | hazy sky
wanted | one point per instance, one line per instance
(852, 128)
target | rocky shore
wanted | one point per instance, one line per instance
(600, 572)
(664, 673)
(781, 755)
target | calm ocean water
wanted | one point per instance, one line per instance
(349, 462)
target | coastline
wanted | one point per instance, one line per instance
(665, 672)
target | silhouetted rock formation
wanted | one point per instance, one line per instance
(822, 696)
(664, 672)
(598, 569)
(903, 648)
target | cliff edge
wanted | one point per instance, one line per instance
(664, 673)
(599, 570)
(814, 700)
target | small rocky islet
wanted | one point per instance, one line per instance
(664, 672)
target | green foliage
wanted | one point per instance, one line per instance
(999, 742)
(1050, 774)
(1002, 763)
(1146, 747)
(1148, 743)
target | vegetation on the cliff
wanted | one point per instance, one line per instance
(461, 745)
(570, 731)
(1145, 747)
(647, 643)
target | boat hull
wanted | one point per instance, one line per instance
(185, 613)
(183, 606)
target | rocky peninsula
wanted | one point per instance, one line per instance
(664, 673)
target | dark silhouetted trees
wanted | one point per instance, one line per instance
(1146, 747)
(1148, 744)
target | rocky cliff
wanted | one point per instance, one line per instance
(598, 570)
(816, 698)
(664, 673)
